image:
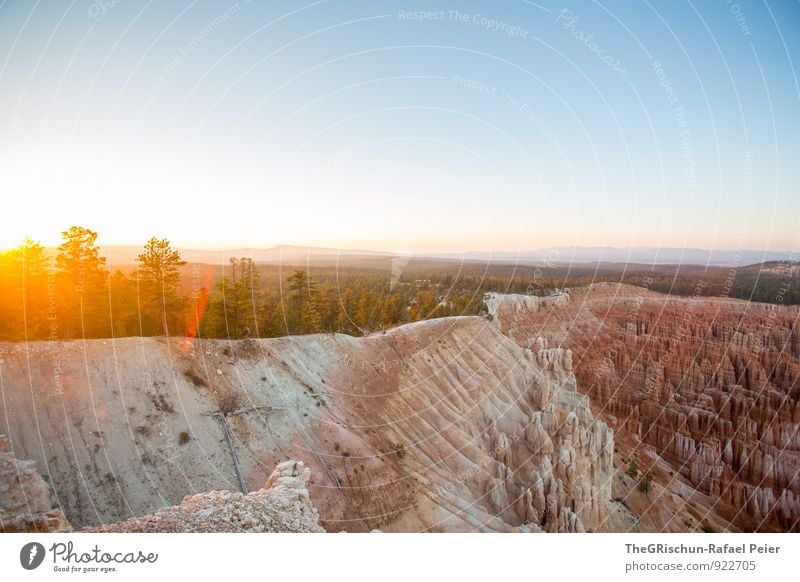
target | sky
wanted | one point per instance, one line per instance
(402, 126)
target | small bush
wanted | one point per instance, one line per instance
(400, 451)
(646, 483)
(229, 403)
(184, 438)
(195, 378)
(161, 404)
(633, 470)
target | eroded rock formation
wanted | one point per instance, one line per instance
(441, 425)
(711, 385)
(283, 505)
(25, 497)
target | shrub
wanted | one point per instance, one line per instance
(229, 403)
(400, 451)
(195, 378)
(633, 470)
(646, 482)
(184, 438)
(161, 404)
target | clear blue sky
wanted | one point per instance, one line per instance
(403, 125)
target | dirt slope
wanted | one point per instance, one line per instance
(444, 425)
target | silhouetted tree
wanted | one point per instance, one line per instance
(234, 312)
(159, 277)
(302, 314)
(24, 273)
(124, 307)
(82, 284)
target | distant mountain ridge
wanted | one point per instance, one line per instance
(126, 255)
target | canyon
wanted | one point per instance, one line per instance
(605, 408)
(702, 393)
(439, 425)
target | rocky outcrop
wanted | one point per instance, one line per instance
(710, 385)
(25, 498)
(440, 425)
(501, 436)
(509, 304)
(283, 505)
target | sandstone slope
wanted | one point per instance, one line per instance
(442, 425)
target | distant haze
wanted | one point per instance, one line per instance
(126, 255)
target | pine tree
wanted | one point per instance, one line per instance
(303, 314)
(392, 310)
(159, 277)
(236, 309)
(367, 312)
(35, 273)
(82, 285)
(124, 308)
(24, 273)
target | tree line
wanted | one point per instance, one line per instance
(70, 293)
(341, 300)
(74, 295)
